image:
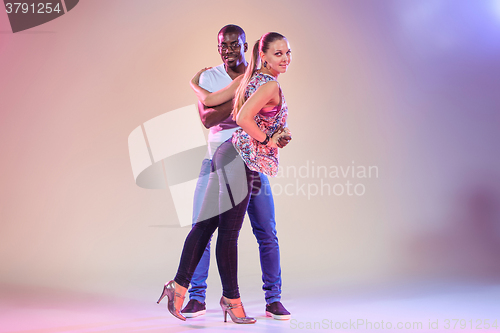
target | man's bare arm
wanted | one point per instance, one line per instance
(213, 115)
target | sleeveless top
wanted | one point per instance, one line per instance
(259, 157)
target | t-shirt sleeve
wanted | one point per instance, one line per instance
(205, 82)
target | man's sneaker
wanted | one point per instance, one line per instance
(194, 309)
(277, 311)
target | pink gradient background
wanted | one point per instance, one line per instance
(408, 86)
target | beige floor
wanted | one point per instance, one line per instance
(49, 311)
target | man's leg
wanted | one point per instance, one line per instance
(262, 219)
(197, 292)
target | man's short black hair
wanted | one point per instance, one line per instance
(230, 28)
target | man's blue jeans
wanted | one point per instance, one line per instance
(261, 213)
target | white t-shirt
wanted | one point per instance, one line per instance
(212, 80)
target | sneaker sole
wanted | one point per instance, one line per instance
(278, 317)
(194, 314)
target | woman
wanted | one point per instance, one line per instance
(260, 110)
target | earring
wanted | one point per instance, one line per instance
(265, 64)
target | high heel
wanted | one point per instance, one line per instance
(228, 308)
(169, 291)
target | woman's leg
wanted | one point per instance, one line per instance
(200, 234)
(235, 183)
(218, 198)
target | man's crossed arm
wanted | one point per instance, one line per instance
(213, 115)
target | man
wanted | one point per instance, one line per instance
(232, 47)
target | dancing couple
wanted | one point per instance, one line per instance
(244, 107)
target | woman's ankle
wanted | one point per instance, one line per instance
(233, 300)
(179, 301)
(237, 308)
(180, 289)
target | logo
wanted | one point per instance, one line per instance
(26, 14)
(167, 151)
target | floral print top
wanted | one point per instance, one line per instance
(259, 157)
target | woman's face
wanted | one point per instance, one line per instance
(278, 56)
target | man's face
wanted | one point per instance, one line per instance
(232, 49)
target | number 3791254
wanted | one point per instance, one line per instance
(39, 8)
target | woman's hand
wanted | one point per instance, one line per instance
(218, 97)
(196, 77)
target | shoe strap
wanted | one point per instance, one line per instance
(235, 305)
(176, 294)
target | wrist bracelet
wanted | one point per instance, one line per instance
(266, 140)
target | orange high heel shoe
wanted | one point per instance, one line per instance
(169, 291)
(228, 308)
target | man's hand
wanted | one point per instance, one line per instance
(282, 137)
(284, 140)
